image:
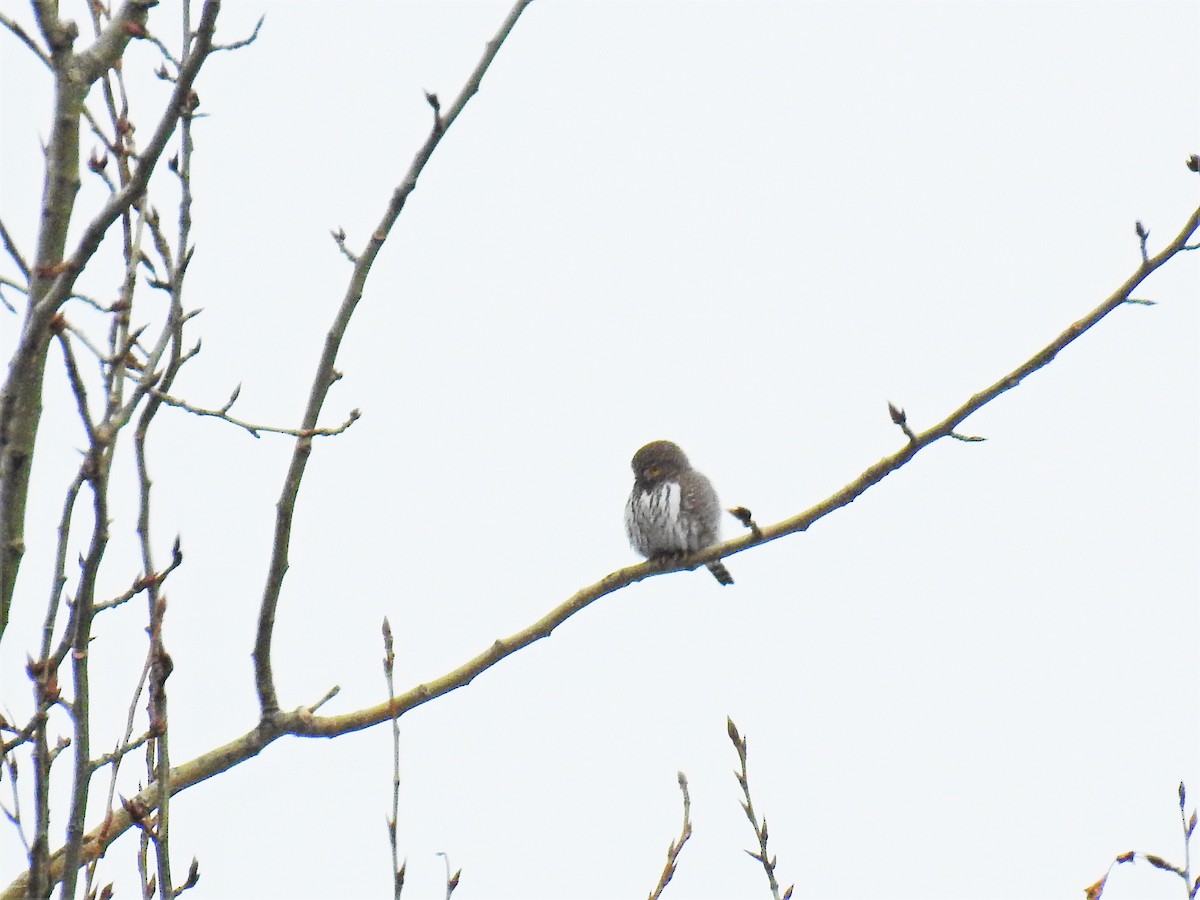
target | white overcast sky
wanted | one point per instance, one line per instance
(744, 227)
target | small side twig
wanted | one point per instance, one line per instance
(760, 831)
(145, 582)
(251, 427)
(339, 238)
(1143, 236)
(329, 695)
(436, 105)
(668, 871)
(246, 41)
(900, 417)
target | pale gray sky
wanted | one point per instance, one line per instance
(745, 227)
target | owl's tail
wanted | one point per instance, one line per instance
(720, 572)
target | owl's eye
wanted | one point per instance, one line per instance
(653, 472)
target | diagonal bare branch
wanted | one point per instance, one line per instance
(325, 374)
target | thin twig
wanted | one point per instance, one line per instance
(237, 45)
(77, 386)
(14, 815)
(668, 871)
(389, 665)
(23, 36)
(339, 238)
(11, 246)
(253, 428)
(328, 695)
(128, 745)
(760, 830)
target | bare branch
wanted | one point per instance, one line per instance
(303, 721)
(325, 374)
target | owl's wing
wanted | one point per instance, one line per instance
(698, 495)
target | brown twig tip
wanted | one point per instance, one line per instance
(192, 878)
(339, 238)
(900, 417)
(743, 515)
(432, 99)
(732, 731)
(136, 808)
(1143, 236)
